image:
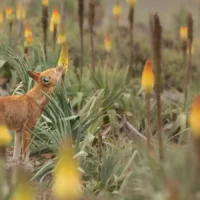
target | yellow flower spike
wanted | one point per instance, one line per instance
(1, 16)
(9, 13)
(148, 77)
(131, 3)
(28, 30)
(23, 190)
(62, 35)
(23, 13)
(5, 136)
(28, 41)
(183, 32)
(117, 9)
(66, 177)
(18, 14)
(55, 18)
(51, 27)
(28, 35)
(45, 2)
(194, 117)
(63, 59)
(108, 43)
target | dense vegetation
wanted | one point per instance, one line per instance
(101, 105)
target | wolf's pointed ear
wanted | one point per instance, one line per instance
(34, 75)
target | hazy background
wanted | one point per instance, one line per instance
(165, 8)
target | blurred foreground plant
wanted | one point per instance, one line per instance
(66, 177)
(23, 189)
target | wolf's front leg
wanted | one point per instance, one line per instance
(26, 145)
(17, 146)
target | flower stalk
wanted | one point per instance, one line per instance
(91, 17)
(156, 31)
(45, 17)
(81, 9)
(108, 47)
(131, 4)
(189, 69)
(117, 14)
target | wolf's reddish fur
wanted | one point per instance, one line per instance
(21, 112)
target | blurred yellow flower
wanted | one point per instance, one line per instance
(66, 177)
(28, 41)
(192, 50)
(62, 35)
(5, 136)
(63, 59)
(28, 30)
(9, 13)
(194, 116)
(51, 27)
(117, 9)
(19, 10)
(55, 19)
(184, 32)
(45, 2)
(131, 3)
(23, 190)
(28, 35)
(148, 77)
(1, 16)
(108, 43)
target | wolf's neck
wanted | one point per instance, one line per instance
(37, 93)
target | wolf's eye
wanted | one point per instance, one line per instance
(45, 80)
